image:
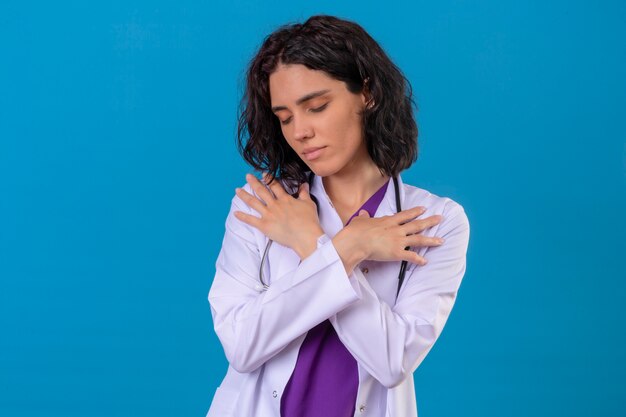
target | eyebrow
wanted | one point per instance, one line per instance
(303, 99)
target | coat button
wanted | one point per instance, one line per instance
(274, 394)
(365, 270)
(362, 408)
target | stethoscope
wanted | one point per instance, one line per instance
(398, 209)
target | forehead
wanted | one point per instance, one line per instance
(290, 82)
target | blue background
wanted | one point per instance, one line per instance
(118, 163)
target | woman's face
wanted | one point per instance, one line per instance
(319, 119)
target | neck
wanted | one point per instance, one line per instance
(351, 188)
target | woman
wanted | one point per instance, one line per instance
(335, 278)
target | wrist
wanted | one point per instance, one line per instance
(350, 248)
(308, 243)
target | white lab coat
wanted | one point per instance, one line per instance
(261, 331)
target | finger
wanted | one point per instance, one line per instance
(248, 219)
(410, 214)
(303, 191)
(417, 226)
(275, 185)
(423, 241)
(413, 257)
(260, 189)
(251, 201)
(364, 213)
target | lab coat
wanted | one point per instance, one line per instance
(261, 331)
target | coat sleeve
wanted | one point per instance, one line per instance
(391, 342)
(254, 325)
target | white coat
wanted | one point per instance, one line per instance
(261, 331)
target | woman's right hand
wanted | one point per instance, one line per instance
(385, 238)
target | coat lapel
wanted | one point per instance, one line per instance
(283, 260)
(329, 218)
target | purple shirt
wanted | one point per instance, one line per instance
(325, 380)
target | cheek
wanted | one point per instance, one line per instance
(348, 128)
(289, 142)
(337, 125)
(285, 131)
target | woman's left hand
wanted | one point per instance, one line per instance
(292, 222)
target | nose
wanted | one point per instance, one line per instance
(301, 129)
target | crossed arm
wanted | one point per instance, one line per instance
(389, 342)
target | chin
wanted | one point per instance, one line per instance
(322, 170)
(326, 168)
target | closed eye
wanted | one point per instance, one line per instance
(319, 109)
(315, 110)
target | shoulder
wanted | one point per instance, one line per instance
(237, 204)
(242, 206)
(453, 212)
(236, 226)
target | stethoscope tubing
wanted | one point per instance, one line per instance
(403, 266)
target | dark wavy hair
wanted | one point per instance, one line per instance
(346, 52)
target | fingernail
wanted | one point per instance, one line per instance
(440, 240)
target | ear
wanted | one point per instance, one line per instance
(366, 96)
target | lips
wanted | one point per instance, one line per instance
(313, 153)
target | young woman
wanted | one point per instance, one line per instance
(335, 278)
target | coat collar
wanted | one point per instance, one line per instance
(329, 218)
